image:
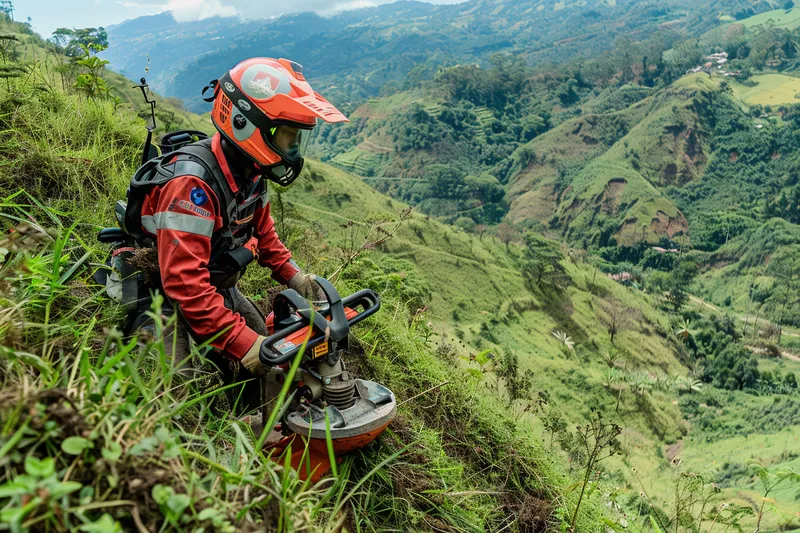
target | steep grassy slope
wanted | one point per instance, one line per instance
(477, 460)
(602, 176)
(479, 302)
(489, 489)
(459, 463)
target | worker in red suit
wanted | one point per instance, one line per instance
(205, 209)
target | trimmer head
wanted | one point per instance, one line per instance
(374, 408)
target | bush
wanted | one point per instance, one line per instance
(734, 368)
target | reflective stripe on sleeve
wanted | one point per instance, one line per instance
(183, 222)
(149, 224)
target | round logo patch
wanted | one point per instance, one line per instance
(198, 196)
(244, 105)
(229, 87)
(262, 82)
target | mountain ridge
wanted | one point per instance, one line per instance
(355, 45)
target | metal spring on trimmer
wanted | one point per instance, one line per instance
(340, 392)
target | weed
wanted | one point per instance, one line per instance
(771, 482)
(600, 442)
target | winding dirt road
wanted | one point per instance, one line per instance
(784, 353)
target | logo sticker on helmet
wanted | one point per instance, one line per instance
(229, 87)
(264, 83)
(244, 105)
(198, 196)
(239, 122)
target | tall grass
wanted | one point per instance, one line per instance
(97, 434)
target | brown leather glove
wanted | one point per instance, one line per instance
(251, 361)
(305, 285)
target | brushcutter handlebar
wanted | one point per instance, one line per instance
(293, 313)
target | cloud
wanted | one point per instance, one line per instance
(188, 10)
(142, 5)
(347, 6)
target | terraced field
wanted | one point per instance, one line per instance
(360, 161)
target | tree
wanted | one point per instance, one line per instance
(618, 316)
(542, 263)
(733, 368)
(485, 188)
(760, 294)
(506, 233)
(567, 92)
(679, 281)
(71, 40)
(532, 125)
(7, 8)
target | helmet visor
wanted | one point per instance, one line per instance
(288, 141)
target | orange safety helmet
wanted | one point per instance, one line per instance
(267, 109)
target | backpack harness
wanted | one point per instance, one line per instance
(197, 160)
(229, 253)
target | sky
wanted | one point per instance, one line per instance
(47, 15)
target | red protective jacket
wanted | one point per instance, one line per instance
(183, 232)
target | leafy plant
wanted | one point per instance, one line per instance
(600, 442)
(566, 344)
(517, 383)
(696, 505)
(771, 481)
(39, 491)
(90, 82)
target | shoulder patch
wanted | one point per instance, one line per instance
(198, 196)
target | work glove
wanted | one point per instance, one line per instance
(305, 285)
(251, 360)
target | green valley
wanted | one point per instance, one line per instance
(587, 246)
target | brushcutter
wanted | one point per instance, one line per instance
(357, 410)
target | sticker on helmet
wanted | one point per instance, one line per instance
(229, 87)
(239, 122)
(262, 82)
(244, 105)
(243, 129)
(198, 196)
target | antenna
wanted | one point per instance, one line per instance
(148, 143)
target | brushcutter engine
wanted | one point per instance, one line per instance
(357, 410)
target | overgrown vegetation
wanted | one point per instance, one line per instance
(96, 435)
(501, 340)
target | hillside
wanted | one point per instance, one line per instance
(498, 345)
(108, 425)
(352, 55)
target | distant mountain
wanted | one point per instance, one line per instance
(356, 53)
